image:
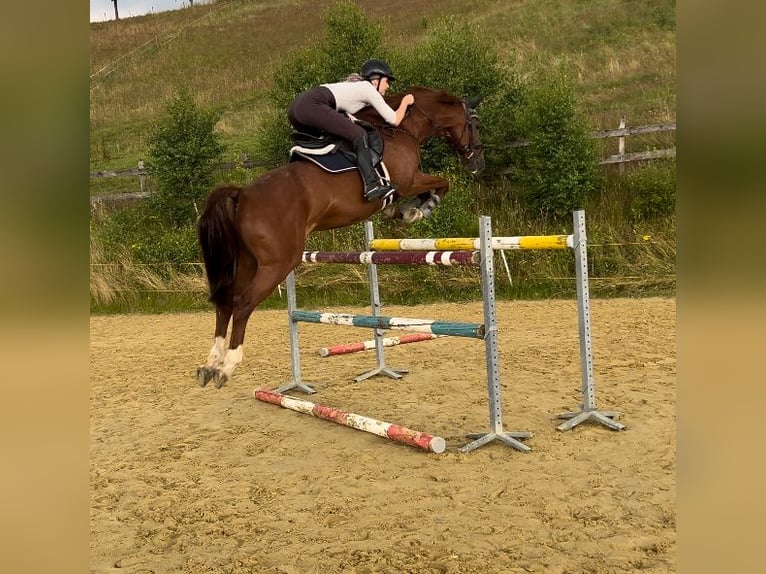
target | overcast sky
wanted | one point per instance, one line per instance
(101, 10)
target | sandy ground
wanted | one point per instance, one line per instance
(189, 479)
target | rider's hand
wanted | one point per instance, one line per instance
(408, 100)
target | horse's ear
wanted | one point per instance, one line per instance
(473, 103)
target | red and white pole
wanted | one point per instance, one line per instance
(346, 348)
(393, 432)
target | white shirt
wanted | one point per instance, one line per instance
(350, 97)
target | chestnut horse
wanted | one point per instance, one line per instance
(253, 236)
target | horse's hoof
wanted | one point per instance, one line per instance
(219, 378)
(412, 215)
(203, 376)
(389, 211)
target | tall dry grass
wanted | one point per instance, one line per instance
(116, 277)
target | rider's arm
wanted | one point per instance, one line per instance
(406, 102)
(393, 117)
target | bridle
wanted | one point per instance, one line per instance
(468, 150)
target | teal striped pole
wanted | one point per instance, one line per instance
(471, 330)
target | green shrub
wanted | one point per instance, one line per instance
(272, 140)
(300, 70)
(173, 245)
(652, 190)
(559, 169)
(501, 124)
(184, 152)
(458, 58)
(453, 56)
(350, 39)
(138, 234)
(116, 232)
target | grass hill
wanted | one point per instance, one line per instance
(623, 52)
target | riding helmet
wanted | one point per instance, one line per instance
(376, 67)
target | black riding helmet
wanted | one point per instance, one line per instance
(376, 67)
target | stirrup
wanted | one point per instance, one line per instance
(379, 192)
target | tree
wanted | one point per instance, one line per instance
(185, 151)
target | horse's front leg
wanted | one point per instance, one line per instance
(422, 182)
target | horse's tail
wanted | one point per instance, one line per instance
(219, 240)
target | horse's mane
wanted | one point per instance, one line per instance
(423, 95)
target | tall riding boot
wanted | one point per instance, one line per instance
(373, 188)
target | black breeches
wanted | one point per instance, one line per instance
(315, 109)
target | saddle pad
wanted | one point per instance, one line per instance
(333, 163)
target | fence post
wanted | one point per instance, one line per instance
(621, 144)
(141, 176)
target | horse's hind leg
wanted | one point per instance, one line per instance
(263, 284)
(216, 355)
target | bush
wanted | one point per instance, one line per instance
(137, 233)
(184, 152)
(560, 166)
(350, 39)
(652, 190)
(454, 216)
(301, 69)
(116, 232)
(501, 124)
(455, 57)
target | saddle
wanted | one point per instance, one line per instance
(334, 154)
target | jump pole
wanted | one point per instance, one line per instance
(346, 348)
(391, 431)
(453, 329)
(446, 258)
(526, 242)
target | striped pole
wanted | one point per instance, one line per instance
(394, 432)
(446, 258)
(368, 345)
(466, 243)
(472, 330)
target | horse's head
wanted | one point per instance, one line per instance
(473, 150)
(454, 119)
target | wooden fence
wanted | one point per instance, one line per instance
(621, 158)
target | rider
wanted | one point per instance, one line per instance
(325, 107)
